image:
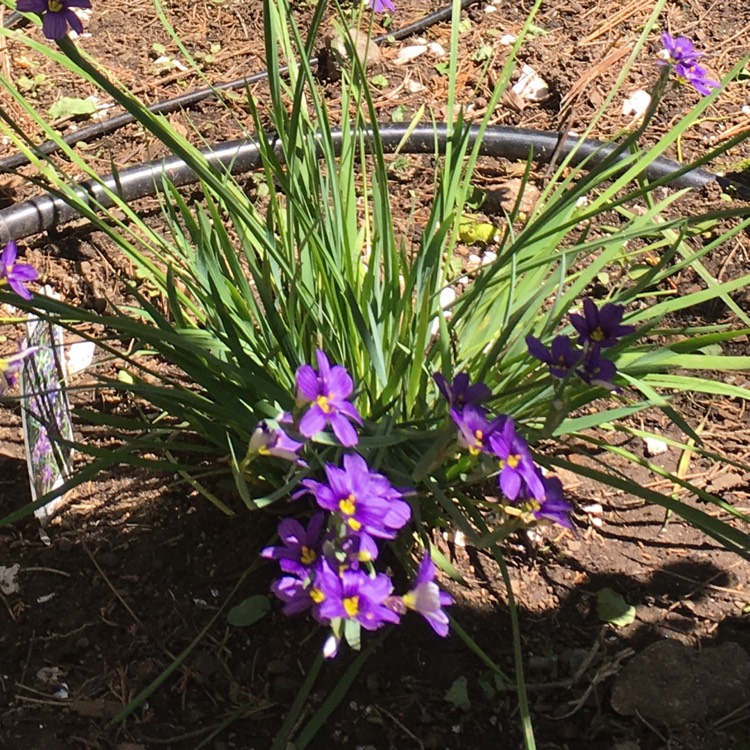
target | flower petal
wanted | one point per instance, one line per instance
(342, 428)
(313, 422)
(308, 387)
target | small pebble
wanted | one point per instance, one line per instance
(407, 54)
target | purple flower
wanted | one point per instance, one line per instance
(381, 6)
(300, 593)
(270, 441)
(474, 430)
(600, 328)
(597, 370)
(518, 473)
(459, 393)
(365, 500)
(561, 357)
(296, 594)
(57, 15)
(680, 52)
(554, 507)
(16, 274)
(355, 596)
(328, 389)
(301, 546)
(356, 548)
(427, 599)
(697, 76)
(11, 366)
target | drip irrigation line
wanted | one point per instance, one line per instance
(190, 99)
(48, 210)
(13, 20)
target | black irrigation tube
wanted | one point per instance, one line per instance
(185, 101)
(48, 210)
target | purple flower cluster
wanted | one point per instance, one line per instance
(57, 15)
(325, 393)
(13, 274)
(682, 55)
(597, 329)
(327, 565)
(519, 478)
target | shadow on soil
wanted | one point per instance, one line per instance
(134, 573)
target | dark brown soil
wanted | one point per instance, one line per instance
(139, 565)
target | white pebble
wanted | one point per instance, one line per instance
(407, 54)
(636, 104)
(447, 297)
(655, 447)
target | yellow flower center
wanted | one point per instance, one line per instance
(597, 334)
(409, 599)
(354, 524)
(351, 605)
(348, 505)
(322, 402)
(307, 556)
(317, 595)
(513, 460)
(55, 6)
